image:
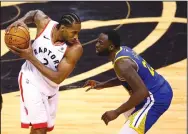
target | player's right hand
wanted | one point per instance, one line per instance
(23, 53)
(93, 85)
(16, 24)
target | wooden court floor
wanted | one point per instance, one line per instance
(79, 112)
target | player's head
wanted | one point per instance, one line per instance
(68, 28)
(107, 42)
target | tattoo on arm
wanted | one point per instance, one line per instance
(34, 16)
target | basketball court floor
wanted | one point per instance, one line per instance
(155, 30)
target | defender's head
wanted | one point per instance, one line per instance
(107, 42)
(68, 28)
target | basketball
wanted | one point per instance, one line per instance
(19, 38)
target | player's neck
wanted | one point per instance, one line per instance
(113, 54)
(54, 35)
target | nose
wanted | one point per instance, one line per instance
(97, 45)
(76, 37)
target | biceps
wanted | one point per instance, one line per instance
(134, 79)
(40, 18)
(64, 68)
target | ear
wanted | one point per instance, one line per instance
(62, 27)
(111, 47)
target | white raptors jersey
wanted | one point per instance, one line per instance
(48, 54)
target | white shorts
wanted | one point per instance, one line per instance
(37, 110)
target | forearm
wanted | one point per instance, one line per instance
(110, 83)
(50, 74)
(135, 99)
(28, 18)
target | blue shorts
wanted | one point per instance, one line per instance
(148, 112)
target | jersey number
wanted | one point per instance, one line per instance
(46, 61)
(151, 70)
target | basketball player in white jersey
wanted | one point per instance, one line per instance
(49, 61)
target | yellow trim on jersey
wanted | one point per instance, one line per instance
(129, 58)
(141, 127)
(119, 51)
(151, 70)
(120, 78)
(120, 58)
(131, 119)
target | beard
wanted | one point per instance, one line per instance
(105, 52)
(72, 42)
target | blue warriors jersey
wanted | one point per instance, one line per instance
(150, 77)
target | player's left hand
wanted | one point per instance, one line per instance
(109, 116)
(93, 84)
(24, 53)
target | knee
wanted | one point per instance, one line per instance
(38, 130)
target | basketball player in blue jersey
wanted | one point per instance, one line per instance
(150, 93)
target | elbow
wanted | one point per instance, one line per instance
(142, 94)
(145, 93)
(37, 10)
(33, 12)
(58, 80)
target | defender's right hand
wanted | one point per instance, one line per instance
(93, 85)
(16, 24)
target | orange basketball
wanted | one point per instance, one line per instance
(19, 38)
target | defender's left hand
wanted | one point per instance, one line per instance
(109, 116)
(24, 53)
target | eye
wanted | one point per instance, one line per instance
(74, 32)
(99, 41)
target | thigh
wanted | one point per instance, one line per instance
(138, 118)
(25, 123)
(53, 104)
(33, 103)
(162, 98)
(144, 118)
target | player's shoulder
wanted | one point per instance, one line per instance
(45, 22)
(75, 46)
(123, 52)
(77, 49)
(123, 61)
(74, 52)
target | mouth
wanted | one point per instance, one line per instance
(97, 50)
(72, 41)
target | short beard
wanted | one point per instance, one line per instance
(106, 52)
